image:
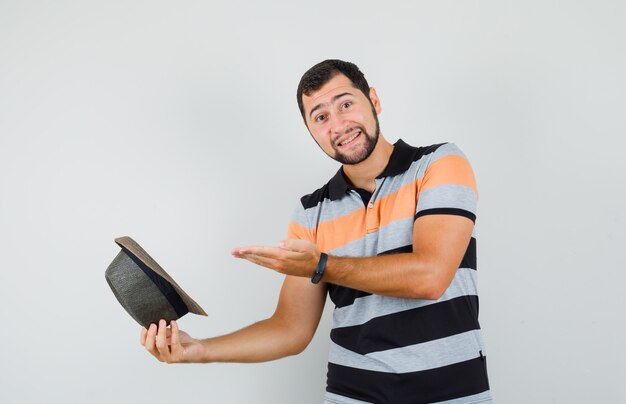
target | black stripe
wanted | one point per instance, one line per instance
(164, 286)
(469, 259)
(342, 296)
(404, 155)
(364, 194)
(447, 211)
(445, 383)
(414, 326)
(311, 200)
(399, 250)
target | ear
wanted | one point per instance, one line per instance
(375, 100)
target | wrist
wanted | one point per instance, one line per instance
(330, 274)
(320, 269)
(206, 355)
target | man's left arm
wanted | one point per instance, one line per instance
(442, 231)
(439, 243)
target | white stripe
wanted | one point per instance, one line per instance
(332, 210)
(299, 217)
(413, 358)
(398, 233)
(480, 398)
(369, 307)
(448, 196)
(331, 398)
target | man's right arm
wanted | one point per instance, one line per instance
(287, 332)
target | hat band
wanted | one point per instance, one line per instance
(164, 286)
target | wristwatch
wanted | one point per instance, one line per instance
(321, 267)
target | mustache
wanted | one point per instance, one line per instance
(348, 131)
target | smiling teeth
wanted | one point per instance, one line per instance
(351, 138)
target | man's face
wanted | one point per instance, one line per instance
(342, 120)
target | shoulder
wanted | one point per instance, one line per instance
(405, 156)
(427, 156)
(307, 207)
(316, 197)
(433, 152)
(447, 155)
(407, 160)
(448, 149)
(334, 189)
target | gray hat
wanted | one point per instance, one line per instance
(144, 289)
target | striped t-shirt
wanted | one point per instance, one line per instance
(396, 350)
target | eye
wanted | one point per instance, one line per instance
(346, 104)
(320, 118)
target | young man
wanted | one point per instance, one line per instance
(390, 239)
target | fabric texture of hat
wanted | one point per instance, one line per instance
(144, 289)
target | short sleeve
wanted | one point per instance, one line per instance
(299, 225)
(448, 185)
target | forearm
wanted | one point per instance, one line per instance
(263, 341)
(400, 275)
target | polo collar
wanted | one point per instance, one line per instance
(400, 159)
(399, 162)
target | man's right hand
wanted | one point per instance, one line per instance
(171, 345)
(287, 332)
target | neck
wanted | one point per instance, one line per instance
(362, 175)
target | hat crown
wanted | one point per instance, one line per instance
(137, 293)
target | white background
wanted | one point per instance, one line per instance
(176, 123)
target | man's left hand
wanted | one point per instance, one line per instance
(292, 257)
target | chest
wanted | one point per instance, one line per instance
(353, 226)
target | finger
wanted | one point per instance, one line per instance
(237, 252)
(150, 339)
(176, 347)
(161, 341)
(270, 252)
(278, 255)
(295, 245)
(262, 261)
(143, 335)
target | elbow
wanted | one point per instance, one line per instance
(427, 292)
(297, 349)
(430, 288)
(298, 344)
(434, 292)
(295, 340)
(293, 337)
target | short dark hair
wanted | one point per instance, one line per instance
(321, 73)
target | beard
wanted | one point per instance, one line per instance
(357, 156)
(362, 153)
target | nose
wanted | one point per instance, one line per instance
(338, 125)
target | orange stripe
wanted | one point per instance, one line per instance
(341, 231)
(448, 170)
(399, 205)
(296, 231)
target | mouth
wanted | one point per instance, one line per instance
(350, 139)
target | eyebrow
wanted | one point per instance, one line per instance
(335, 98)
